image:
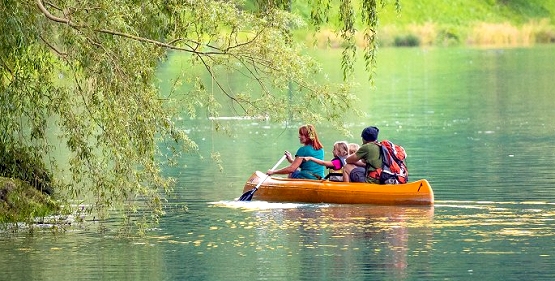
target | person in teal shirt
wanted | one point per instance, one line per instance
(312, 147)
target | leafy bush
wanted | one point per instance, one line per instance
(19, 163)
(406, 41)
(20, 202)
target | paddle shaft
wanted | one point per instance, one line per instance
(273, 168)
(247, 196)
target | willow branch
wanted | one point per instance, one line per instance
(72, 24)
(218, 83)
(60, 53)
(51, 16)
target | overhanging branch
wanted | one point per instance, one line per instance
(72, 24)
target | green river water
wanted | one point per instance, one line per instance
(478, 124)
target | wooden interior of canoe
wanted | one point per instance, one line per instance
(276, 189)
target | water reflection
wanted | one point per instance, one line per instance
(501, 220)
(335, 241)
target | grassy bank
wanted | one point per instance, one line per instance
(489, 23)
(21, 202)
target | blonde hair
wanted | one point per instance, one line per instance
(353, 147)
(342, 148)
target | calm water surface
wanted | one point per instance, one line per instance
(478, 124)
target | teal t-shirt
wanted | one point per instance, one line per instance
(309, 168)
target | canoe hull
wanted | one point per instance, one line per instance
(275, 189)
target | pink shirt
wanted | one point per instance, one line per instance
(336, 164)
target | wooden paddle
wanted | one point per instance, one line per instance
(247, 196)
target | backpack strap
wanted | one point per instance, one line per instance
(375, 174)
(343, 161)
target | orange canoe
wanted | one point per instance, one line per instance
(275, 189)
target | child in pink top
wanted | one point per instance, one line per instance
(335, 165)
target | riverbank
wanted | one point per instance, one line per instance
(473, 23)
(21, 202)
(480, 34)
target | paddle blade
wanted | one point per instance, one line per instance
(247, 196)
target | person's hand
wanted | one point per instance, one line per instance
(288, 156)
(270, 172)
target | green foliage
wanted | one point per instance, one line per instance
(24, 166)
(434, 22)
(79, 96)
(465, 12)
(19, 202)
(406, 41)
(96, 90)
(353, 17)
(78, 90)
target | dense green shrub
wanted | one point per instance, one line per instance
(20, 202)
(20, 164)
(406, 41)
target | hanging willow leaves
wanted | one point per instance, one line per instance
(86, 73)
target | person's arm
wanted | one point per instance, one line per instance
(289, 169)
(327, 164)
(354, 159)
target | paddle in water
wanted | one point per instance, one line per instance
(247, 196)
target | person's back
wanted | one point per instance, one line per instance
(309, 168)
(369, 154)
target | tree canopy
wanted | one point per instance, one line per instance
(80, 77)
